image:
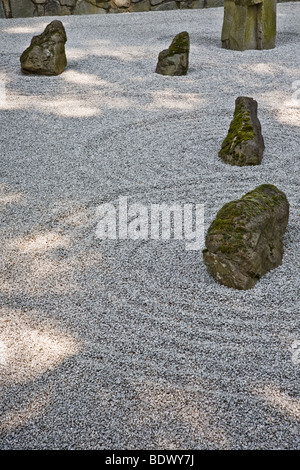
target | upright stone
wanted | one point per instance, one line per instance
(175, 59)
(7, 8)
(245, 240)
(244, 144)
(249, 24)
(46, 53)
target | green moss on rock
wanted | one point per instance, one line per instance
(245, 239)
(180, 44)
(240, 130)
(46, 53)
(175, 59)
(244, 143)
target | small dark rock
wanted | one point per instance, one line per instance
(46, 53)
(175, 59)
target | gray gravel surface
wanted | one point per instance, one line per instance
(130, 344)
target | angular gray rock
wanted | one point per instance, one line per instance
(244, 143)
(46, 53)
(245, 240)
(175, 59)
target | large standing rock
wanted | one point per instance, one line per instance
(175, 59)
(249, 24)
(46, 53)
(245, 239)
(244, 144)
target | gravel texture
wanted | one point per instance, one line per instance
(130, 344)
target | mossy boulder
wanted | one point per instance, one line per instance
(245, 240)
(244, 143)
(175, 59)
(249, 24)
(46, 53)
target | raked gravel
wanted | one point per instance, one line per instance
(128, 344)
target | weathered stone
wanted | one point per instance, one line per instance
(98, 3)
(249, 24)
(245, 240)
(29, 8)
(121, 3)
(52, 8)
(213, 3)
(244, 144)
(175, 59)
(84, 8)
(7, 8)
(46, 53)
(165, 6)
(64, 11)
(199, 4)
(39, 10)
(185, 4)
(68, 3)
(142, 5)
